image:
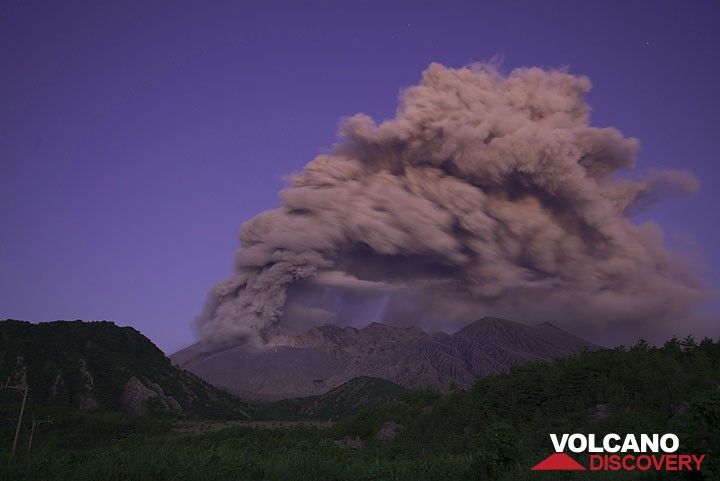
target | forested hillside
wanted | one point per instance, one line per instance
(496, 430)
(505, 420)
(101, 366)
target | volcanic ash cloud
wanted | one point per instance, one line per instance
(485, 194)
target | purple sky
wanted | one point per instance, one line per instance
(136, 137)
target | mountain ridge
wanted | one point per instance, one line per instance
(326, 356)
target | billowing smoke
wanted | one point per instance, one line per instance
(485, 195)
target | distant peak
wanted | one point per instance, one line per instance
(329, 327)
(490, 319)
(490, 326)
(548, 324)
(378, 325)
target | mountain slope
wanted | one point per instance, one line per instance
(325, 357)
(337, 403)
(98, 365)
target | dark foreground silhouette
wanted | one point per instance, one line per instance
(495, 430)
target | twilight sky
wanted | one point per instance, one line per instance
(136, 137)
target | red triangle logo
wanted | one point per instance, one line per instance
(558, 462)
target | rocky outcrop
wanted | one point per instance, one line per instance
(388, 431)
(167, 402)
(87, 396)
(136, 395)
(57, 385)
(18, 377)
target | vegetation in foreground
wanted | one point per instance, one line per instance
(341, 402)
(497, 430)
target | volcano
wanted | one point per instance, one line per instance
(327, 356)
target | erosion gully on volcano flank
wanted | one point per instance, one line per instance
(327, 356)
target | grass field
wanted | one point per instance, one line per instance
(247, 453)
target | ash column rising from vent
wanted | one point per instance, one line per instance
(486, 194)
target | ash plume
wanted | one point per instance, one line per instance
(486, 194)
